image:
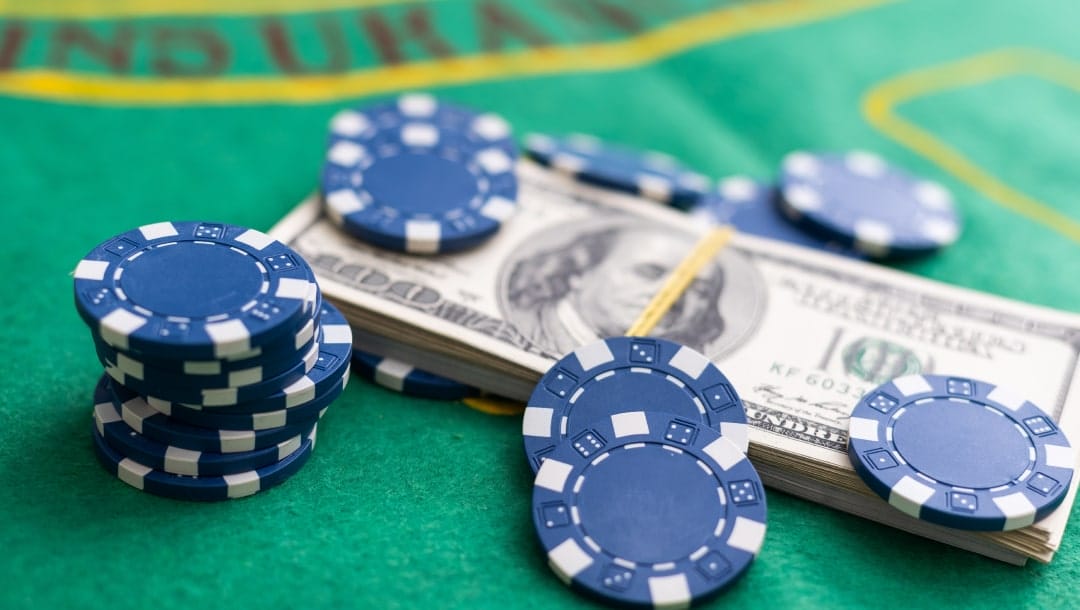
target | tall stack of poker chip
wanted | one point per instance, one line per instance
(220, 358)
(643, 494)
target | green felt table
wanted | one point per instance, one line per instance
(118, 114)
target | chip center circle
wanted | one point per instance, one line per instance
(192, 279)
(962, 444)
(648, 504)
(420, 184)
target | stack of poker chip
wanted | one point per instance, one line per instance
(643, 493)
(220, 357)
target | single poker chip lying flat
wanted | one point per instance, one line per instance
(192, 290)
(863, 202)
(154, 425)
(176, 460)
(751, 207)
(405, 178)
(647, 173)
(407, 379)
(960, 452)
(204, 489)
(628, 373)
(649, 509)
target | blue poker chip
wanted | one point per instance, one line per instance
(620, 373)
(960, 452)
(863, 202)
(407, 379)
(329, 374)
(649, 174)
(414, 176)
(204, 489)
(192, 290)
(649, 509)
(177, 460)
(185, 389)
(751, 207)
(147, 421)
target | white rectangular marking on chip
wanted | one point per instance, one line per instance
(670, 591)
(420, 134)
(1018, 510)
(1006, 397)
(91, 270)
(208, 367)
(912, 384)
(738, 434)
(631, 423)
(422, 236)
(234, 441)
(863, 429)
(221, 397)
(724, 452)
(689, 361)
(552, 475)
(182, 461)
(117, 326)
(293, 288)
(106, 413)
(336, 334)
(305, 334)
(344, 202)
(243, 484)
(229, 337)
(593, 355)
(255, 239)
(1060, 456)
(132, 473)
(498, 209)
(537, 422)
(287, 448)
(909, 495)
(568, 559)
(245, 377)
(654, 187)
(299, 392)
(158, 230)
(391, 373)
(269, 419)
(747, 534)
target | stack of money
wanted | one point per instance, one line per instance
(802, 335)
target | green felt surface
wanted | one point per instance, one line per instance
(411, 503)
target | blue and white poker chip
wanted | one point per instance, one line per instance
(960, 452)
(629, 373)
(751, 207)
(647, 173)
(419, 176)
(152, 424)
(649, 509)
(863, 202)
(179, 388)
(204, 489)
(401, 377)
(177, 460)
(192, 290)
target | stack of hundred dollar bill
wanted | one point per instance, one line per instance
(802, 335)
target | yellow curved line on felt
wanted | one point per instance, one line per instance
(493, 405)
(95, 9)
(879, 105)
(665, 41)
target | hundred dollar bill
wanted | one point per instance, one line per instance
(802, 334)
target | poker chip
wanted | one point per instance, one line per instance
(419, 176)
(960, 452)
(627, 373)
(183, 389)
(205, 489)
(154, 425)
(863, 202)
(751, 207)
(649, 174)
(192, 290)
(649, 509)
(176, 460)
(407, 379)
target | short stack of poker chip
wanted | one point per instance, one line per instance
(220, 358)
(643, 493)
